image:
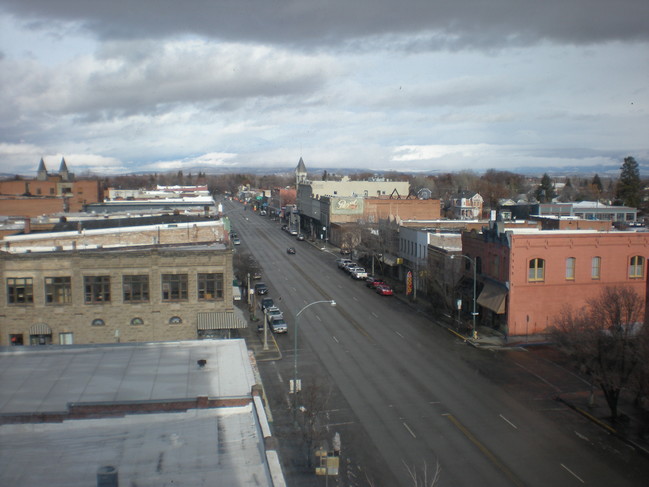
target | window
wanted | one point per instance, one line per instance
(96, 289)
(66, 338)
(20, 290)
(137, 321)
(58, 290)
(596, 267)
(570, 268)
(210, 287)
(536, 271)
(98, 322)
(175, 320)
(136, 289)
(174, 287)
(636, 267)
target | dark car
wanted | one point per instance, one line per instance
(290, 250)
(261, 288)
(300, 236)
(266, 303)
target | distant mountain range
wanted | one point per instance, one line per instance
(610, 170)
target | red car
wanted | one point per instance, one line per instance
(384, 290)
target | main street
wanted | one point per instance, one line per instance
(403, 392)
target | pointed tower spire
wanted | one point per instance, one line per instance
(63, 170)
(41, 172)
(300, 173)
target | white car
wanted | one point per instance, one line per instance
(358, 273)
(273, 313)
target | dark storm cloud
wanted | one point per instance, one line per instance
(443, 24)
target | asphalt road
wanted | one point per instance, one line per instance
(404, 394)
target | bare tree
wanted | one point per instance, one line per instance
(314, 399)
(603, 338)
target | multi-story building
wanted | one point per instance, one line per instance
(124, 294)
(466, 205)
(526, 277)
(48, 193)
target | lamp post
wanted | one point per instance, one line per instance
(474, 313)
(297, 320)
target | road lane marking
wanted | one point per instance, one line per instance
(409, 430)
(335, 339)
(399, 334)
(485, 451)
(354, 298)
(374, 314)
(539, 377)
(318, 318)
(509, 422)
(572, 473)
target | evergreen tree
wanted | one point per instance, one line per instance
(597, 183)
(545, 191)
(629, 186)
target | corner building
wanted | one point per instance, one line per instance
(526, 276)
(117, 295)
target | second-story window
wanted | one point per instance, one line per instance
(96, 289)
(174, 287)
(210, 286)
(570, 268)
(136, 289)
(536, 271)
(20, 290)
(58, 290)
(636, 267)
(596, 268)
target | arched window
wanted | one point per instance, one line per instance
(536, 271)
(636, 267)
(137, 321)
(175, 320)
(571, 262)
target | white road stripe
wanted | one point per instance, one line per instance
(509, 422)
(399, 334)
(572, 473)
(335, 339)
(409, 430)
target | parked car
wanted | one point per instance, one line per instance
(256, 275)
(266, 303)
(300, 236)
(358, 273)
(261, 288)
(290, 250)
(342, 262)
(345, 251)
(236, 241)
(384, 290)
(279, 326)
(372, 281)
(348, 267)
(273, 312)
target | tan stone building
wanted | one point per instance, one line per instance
(112, 295)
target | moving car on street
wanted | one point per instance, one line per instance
(290, 250)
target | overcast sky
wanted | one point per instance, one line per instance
(414, 85)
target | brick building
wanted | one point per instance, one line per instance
(48, 193)
(526, 277)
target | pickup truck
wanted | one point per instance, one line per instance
(358, 273)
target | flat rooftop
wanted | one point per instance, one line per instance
(45, 379)
(196, 446)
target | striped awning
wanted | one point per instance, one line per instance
(40, 329)
(219, 321)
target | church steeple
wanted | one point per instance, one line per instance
(300, 173)
(63, 170)
(41, 172)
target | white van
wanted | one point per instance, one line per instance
(236, 293)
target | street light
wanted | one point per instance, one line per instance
(473, 262)
(297, 320)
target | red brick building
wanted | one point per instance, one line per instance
(48, 193)
(526, 277)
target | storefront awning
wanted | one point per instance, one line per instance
(389, 260)
(493, 297)
(219, 321)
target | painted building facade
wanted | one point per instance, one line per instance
(526, 277)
